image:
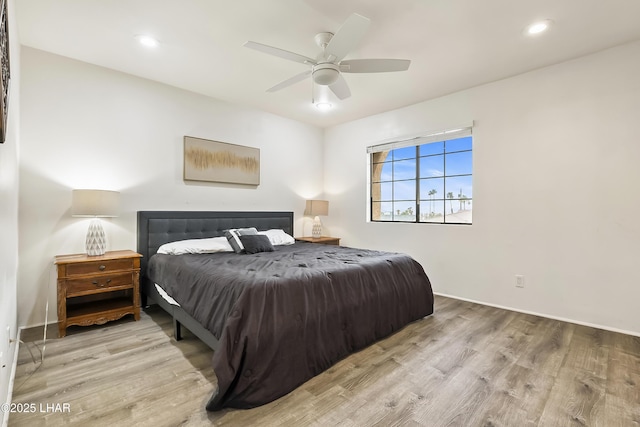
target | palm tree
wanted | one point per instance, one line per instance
(434, 201)
(431, 194)
(460, 196)
(450, 197)
(465, 201)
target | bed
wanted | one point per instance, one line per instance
(275, 319)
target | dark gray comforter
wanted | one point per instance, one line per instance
(283, 317)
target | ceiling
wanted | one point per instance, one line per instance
(453, 44)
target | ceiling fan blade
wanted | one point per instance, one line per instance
(374, 65)
(340, 88)
(280, 53)
(347, 37)
(290, 81)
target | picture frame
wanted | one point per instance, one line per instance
(216, 161)
(5, 70)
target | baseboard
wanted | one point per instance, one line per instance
(12, 377)
(548, 316)
(36, 333)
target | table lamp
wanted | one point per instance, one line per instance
(316, 208)
(96, 204)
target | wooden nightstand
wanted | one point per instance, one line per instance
(325, 240)
(93, 290)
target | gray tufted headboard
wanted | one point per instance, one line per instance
(156, 228)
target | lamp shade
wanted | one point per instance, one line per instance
(317, 208)
(95, 203)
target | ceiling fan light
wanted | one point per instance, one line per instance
(325, 76)
(323, 106)
(325, 73)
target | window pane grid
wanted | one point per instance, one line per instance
(432, 195)
(455, 176)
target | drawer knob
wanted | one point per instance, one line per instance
(100, 285)
(102, 267)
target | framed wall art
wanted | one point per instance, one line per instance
(4, 69)
(214, 161)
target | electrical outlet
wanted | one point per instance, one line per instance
(519, 281)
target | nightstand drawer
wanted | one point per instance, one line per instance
(96, 267)
(77, 287)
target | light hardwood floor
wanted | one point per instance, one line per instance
(466, 365)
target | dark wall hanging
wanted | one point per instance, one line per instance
(4, 80)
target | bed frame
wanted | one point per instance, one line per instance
(156, 228)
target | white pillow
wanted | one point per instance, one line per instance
(278, 237)
(196, 246)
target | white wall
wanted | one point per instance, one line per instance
(556, 175)
(9, 214)
(85, 126)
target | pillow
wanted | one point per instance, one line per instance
(196, 246)
(233, 236)
(256, 243)
(278, 237)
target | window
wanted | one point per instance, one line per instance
(424, 179)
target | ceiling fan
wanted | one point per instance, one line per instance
(327, 68)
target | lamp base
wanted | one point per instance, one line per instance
(316, 231)
(96, 242)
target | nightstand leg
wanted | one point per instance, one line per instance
(62, 329)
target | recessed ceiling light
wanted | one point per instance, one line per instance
(147, 41)
(538, 27)
(323, 106)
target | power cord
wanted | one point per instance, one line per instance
(44, 335)
(46, 315)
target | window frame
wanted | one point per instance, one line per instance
(375, 165)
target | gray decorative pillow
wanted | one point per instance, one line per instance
(233, 236)
(256, 243)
